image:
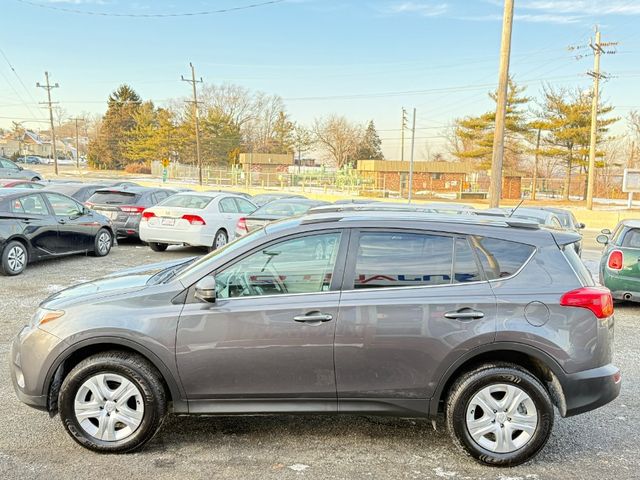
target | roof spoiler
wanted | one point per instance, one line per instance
(563, 238)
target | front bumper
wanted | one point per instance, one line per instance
(591, 389)
(29, 362)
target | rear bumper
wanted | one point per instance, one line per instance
(590, 389)
(196, 237)
(632, 295)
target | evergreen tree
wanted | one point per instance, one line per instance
(371, 146)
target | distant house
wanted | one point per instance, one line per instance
(432, 177)
(34, 144)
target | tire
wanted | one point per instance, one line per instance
(158, 247)
(102, 243)
(36, 179)
(219, 240)
(465, 413)
(117, 425)
(14, 258)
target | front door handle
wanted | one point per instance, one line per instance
(464, 314)
(62, 221)
(313, 317)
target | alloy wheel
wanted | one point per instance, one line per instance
(104, 243)
(221, 240)
(16, 258)
(501, 418)
(109, 407)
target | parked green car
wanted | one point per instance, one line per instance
(619, 266)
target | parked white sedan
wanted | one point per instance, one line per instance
(202, 219)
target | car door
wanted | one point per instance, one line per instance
(9, 169)
(229, 215)
(76, 227)
(38, 224)
(269, 334)
(407, 311)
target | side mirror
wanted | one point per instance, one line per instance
(606, 231)
(603, 239)
(206, 290)
(581, 226)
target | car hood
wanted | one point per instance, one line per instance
(125, 281)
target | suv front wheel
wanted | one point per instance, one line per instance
(499, 414)
(112, 402)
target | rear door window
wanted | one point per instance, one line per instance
(227, 205)
(501, 258)
(631, 239)
(399, 259)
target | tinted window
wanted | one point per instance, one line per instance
(631, 239)
(32, 205)
(465, 266)
(501, 258)
(244, 206)
(8, 164)
(187, 201)
(227, 205)
(581, 270)
(301, 265)
(284, 207)
(403, 260)
(114, 198)
(63, 206)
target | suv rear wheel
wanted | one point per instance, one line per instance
(499, 414)
(112, 402)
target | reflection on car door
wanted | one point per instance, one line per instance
(230, 214)
(406, 307)
(76, 229)
(269, 334)
(38, 224)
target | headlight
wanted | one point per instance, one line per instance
(44, 315)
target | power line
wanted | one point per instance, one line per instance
(148, 15)
(48, 87)
(193, 83)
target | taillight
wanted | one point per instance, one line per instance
(596, 299)
(194, 219)
(132, 209)
(88, 204)
(615, 260)
(146, 215)
(241, 226)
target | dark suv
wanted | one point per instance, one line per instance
(489, 321)
(124, 205)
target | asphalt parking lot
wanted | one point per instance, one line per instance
(600, 444)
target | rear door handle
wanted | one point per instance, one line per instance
(464, 314)
(313, 317)
(62, 221)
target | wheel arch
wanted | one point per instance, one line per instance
(535, 361)
(73, 355)
(24, 241)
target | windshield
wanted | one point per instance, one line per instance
(187, 201)
(203, 262)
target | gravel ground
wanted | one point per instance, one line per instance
(600, 444)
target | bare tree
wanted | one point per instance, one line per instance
(338, 138)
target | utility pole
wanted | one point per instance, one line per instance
(597, 53)
(193, 82)
(403, 128)
(534, 181)
(77, 142)
(48, 87)
(413, 144)
(495, 188)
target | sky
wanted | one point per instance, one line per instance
(365, 59)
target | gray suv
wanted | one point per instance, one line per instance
(492, 322)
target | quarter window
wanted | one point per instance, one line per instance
(31, 204)
(244, 206)
(466, 268)
(403, 260)
(300, 265)
(501, 258)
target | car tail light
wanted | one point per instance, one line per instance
(146, 215)
(132, 209)
(88, 204)
(194, 219)
(616, 260)
(596, 299)
(241, 226)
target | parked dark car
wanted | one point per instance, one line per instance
(38, 225)
(124, 206)
(275, 210)
(9, 169)
(80, 191)
(404, 314)
(12, 183)
(264, 198)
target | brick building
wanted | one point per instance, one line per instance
(265, 168)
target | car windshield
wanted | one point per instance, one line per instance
(187, 201)
(202, 263)
(286, 208)
(565, 219)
